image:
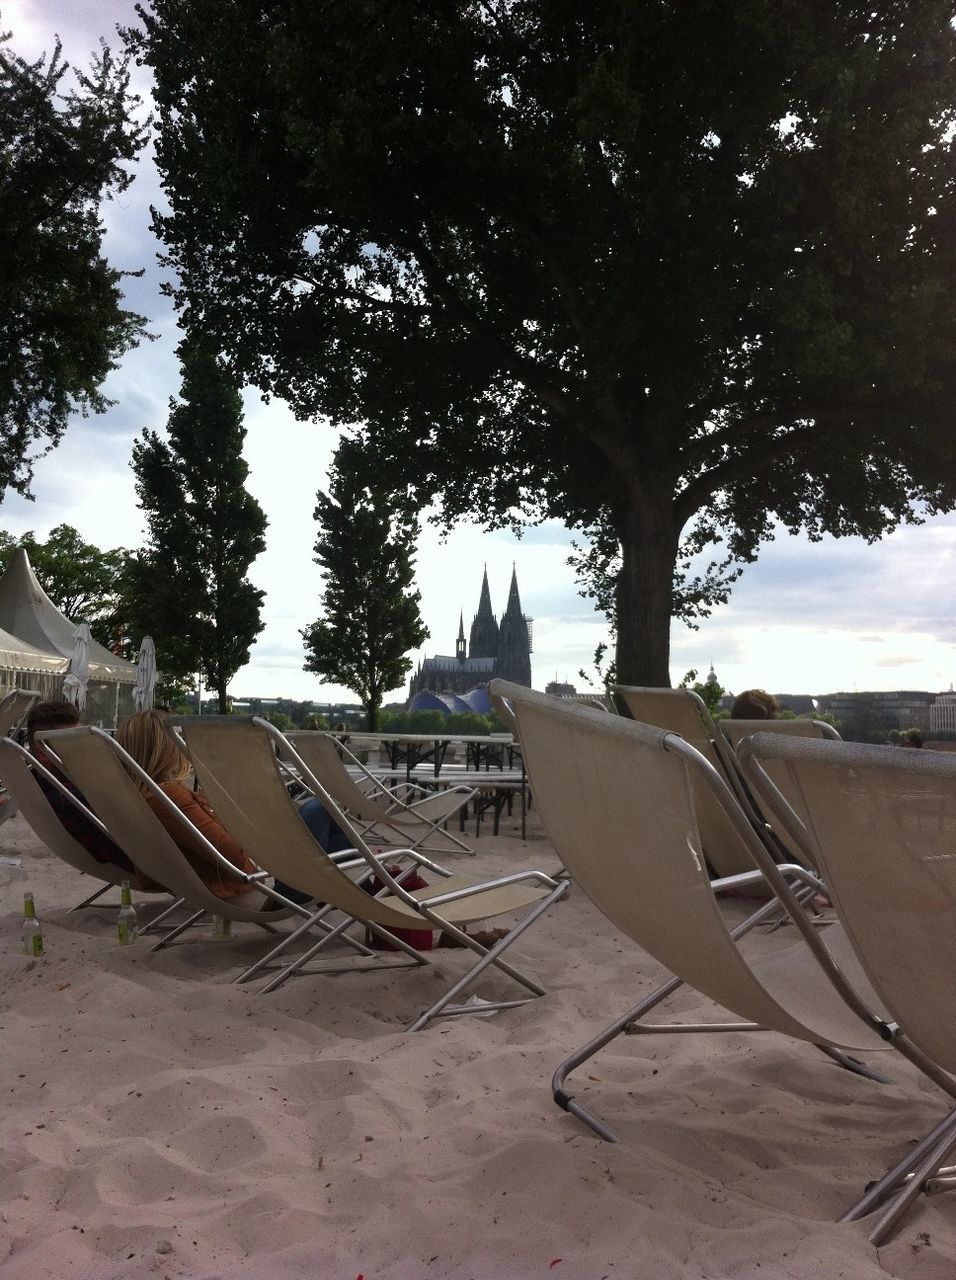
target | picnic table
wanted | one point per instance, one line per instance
(415, 749)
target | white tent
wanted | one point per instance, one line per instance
(23, 667)
(29, 615)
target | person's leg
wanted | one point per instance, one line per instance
(319, 821)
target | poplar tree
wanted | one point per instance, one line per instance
(370, 615)
(188, 584)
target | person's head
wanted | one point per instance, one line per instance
(754, 704)
(149, 740)
(341, 727)
(49, 715)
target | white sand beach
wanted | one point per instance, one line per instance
(160, 1121)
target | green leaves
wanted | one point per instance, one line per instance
(203, 529)
(62, 323)
(84, 582)
(370, 612)
(657, 270)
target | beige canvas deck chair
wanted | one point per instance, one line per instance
(105, 774)
(731, 733)
(13, 707)
(881, 824)
(683, 711)
(379, 813)
(20, 770)
(237, 767)
(619, 799)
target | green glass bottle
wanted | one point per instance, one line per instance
(31, 935)
(127, 926)
(221, 927)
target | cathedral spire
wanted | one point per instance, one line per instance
(484, 601)
(514, 651)
(514, 600)
(460, 642)
(484, 630)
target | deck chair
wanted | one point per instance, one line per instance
(683, 711)
(736, 730)
(731, 733)
(881, 824)
(620, 801)
(19, 771)
(238, 768)
(378, 812)
(105, 774)
(13, 707)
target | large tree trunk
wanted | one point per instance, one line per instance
(649, 540)
(372, 712)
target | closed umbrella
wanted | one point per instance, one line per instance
(145, 675)
(75, 681)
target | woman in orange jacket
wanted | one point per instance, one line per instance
(149, 740)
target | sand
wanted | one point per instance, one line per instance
(163, 1122)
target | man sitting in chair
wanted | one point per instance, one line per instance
(63, 715)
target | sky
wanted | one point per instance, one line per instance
(807, 618)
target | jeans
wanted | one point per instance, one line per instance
(319, 821)
(330, 836)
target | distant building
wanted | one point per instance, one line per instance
(558, 690)
(494, 649)
(942, 714)
(880, 711)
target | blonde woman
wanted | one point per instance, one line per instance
(149, 740)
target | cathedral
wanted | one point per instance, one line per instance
(494, 648)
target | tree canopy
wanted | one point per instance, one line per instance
(62, 322)
(188, 585)
(370, 613)
(669, 272)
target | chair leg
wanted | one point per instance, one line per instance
(92, 898)
(610, 1032)
(174, 933)
(854, 1065)
(157, 920)
(910, 1173)
(894, 1214)
(491, 956)
(629, 1022)
(302, 960)
(313, 920)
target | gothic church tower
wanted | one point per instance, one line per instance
(514, 642)
(484, 629)
(493, 650)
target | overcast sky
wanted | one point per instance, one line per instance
(813, 618)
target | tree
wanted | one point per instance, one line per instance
(710, 691)
(84, 582)
(669, 272)
(370, 615)
(189, 588)
(62, 323)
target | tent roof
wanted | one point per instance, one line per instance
(28, 613)
(17, 655)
